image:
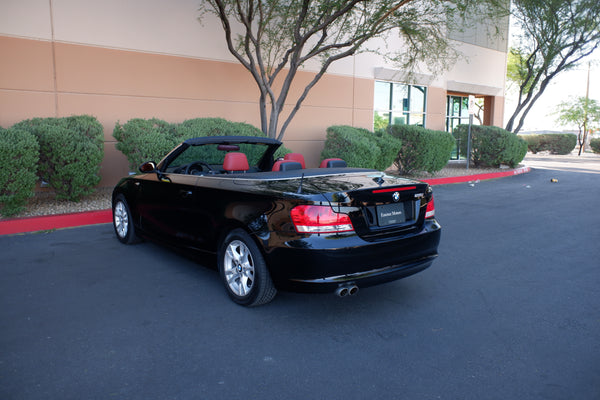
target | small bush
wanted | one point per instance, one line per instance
(422, 149)
(19, 155)
(492, 146)
(347, 143)
(534, 143)
(554, 143)
(144, 140)
(595, 145)
(563, 143)
(71, 151)
(360, 148)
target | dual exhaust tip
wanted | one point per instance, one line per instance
(348, 290)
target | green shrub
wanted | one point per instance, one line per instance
(346, 143)
(71, 151)
(492, 146)
(19, 155)
(422, 149)
(144, 140)
(534, 143)
(554, 143)
(595, 145)
(354, 145)
(389, 147)
(199, 127)
(563, 143)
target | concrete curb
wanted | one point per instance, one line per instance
(50, 222)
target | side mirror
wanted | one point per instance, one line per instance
(147, 167)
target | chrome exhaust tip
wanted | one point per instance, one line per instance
(348, 290)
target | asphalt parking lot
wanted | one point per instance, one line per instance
(510, 310)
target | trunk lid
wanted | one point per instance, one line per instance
(379, 205)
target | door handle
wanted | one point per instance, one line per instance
(185, 193)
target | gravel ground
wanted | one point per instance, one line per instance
(45, 203)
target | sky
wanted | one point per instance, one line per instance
(566, 86)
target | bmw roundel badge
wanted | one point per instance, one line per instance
(396, 196)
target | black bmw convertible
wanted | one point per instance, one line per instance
(275, 224)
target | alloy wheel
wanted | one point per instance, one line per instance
(121, 220)
(239, 268)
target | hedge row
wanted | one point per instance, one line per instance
(554, 143)
(67, 154)
(143, 140)
(492, 146)
(360, 147)
(410, 148)
(422, 149)
(595, 145)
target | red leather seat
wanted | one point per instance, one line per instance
(295, 157)
(235, 162)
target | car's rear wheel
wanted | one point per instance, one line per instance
(122, 221)
(244, 271)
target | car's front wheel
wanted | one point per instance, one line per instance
(244, 271)
(122, 221)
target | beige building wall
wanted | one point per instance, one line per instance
(436, 108)
(60, 79)
(118, 60)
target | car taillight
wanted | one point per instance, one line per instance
(430, 210)
(319, 219)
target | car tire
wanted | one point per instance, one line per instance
(244, 271)
(123, 222)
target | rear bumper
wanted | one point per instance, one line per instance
(324, 263)
(361, 279)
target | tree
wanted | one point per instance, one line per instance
(273, 39)
(555, 35)
(583, 112)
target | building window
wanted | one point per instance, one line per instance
(397, 103)
(457, 113)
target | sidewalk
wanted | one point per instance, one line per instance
(59, 221)
(586, 162)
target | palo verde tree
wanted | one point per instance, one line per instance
(582, 112)
(273, 39)
(554, 36)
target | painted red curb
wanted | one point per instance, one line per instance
(47, 222)
(480, 177)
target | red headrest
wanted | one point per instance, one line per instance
(277, 165)
(332, 163)
(295, 157)
(235, 162)
(285, 165)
